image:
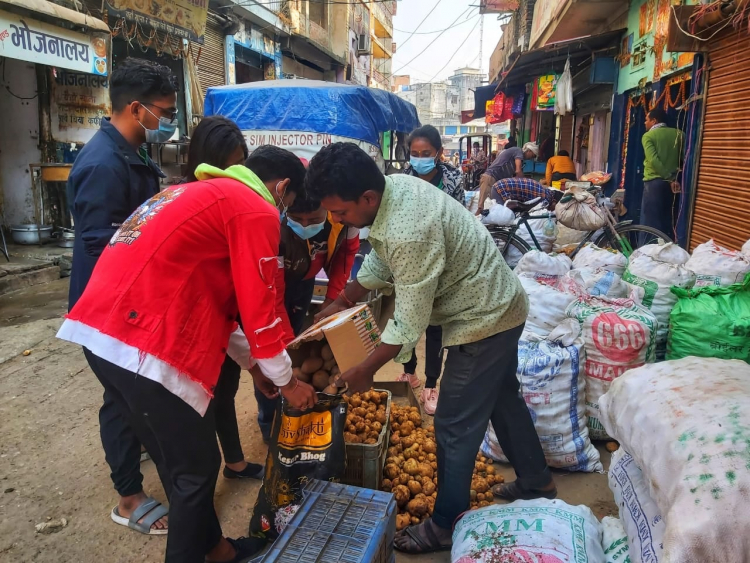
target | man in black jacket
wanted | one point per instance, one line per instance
(111, 177)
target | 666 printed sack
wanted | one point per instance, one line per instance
(305, 445)
(618, 335)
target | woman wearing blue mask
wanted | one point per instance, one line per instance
(426, 150)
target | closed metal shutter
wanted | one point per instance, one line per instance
(722, 202)
(565, 140)
(210, 65)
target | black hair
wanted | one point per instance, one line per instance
(213, 141)
(658, 115)
(427, 132)
(343, 170)
(511, 142)
(141, 80)
(304, 204)
(557, 195)
(563, 152)
(475, 144)
(272, 163)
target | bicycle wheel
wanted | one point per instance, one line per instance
(509, 245)
(633, 235)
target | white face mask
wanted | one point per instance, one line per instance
(281, 207)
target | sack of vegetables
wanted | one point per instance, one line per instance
(305, 445)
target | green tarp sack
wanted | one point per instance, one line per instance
(711, 322)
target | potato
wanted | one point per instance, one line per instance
(428, 487)
(612, 447)
(335, 370)
(328, 364)
(417, 507)
(387, 485)
(414, 487)
(301, 375)
(326, 353)
(311, 365)
(402, 521)
(320, 380)
(402, 494)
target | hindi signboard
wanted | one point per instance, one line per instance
(180, 18)
(79, 103)
(36, 42)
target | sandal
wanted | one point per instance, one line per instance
(427, 543)
(513, 491)
(150, 510)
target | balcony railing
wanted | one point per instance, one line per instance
(384, 16)
(314, 31)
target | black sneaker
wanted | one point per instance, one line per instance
(246, 548)
(252, 471)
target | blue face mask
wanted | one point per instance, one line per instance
(422, 165)
(304, 232)
(165, 131)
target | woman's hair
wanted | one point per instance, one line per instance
(427, 132)
(214, 139)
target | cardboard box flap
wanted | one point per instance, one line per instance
(351, 334)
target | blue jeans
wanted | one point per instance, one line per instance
(657, 206)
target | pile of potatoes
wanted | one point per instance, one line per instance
(484, 477)
(411, 466)
(366, 416)
(319, 369)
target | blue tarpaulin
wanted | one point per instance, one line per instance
(356, 112)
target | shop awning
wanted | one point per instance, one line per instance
(551, 58)
(58, 12)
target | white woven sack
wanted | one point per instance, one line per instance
(618, 335)
(746, 248)
(499, 215)
(547, 305)
(716, 265)
(687, 425)
(536, 262)
(552, 384)
(567, 236)
(591, 256)
(639, 514)
(545, 242)
(615, 541)
(602, 283)
(581, 212)
(656, 268)
(548, 531)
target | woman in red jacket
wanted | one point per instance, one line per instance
(157, 317)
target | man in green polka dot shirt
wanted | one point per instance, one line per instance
(445, 270)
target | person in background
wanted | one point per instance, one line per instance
(426, 146)
(493, 156)
(159, 316)
(435, 256)
(111, 177)
(508, 164)
(456, 160)
(478, 154)
(523, 190)
(310, 242)
(511, 142)
(560, 167)
(663, 148)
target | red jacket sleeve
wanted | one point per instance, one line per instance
(340, 267)
(280, 307)
(253, 240)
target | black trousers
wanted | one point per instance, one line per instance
(479, 385)
(658, 205)
(122, 450)
(183, 445)
(225, 412)
(433, 361)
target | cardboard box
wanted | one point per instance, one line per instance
(352, 335)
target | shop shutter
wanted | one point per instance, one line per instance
(210, 65)
(565, 140)
(722, 203)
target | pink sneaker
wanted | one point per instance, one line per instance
(411, 378)
(430, 399)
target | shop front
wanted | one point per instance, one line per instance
(55, 68)
(257, 55)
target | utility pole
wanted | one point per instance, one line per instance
(481, 44)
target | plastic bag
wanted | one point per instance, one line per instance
(716, 265)
(685, 422)
(550, 371)
(564, 91)
(499, 215)
(711, 322)
(581, 212)
(549, 531)
(304, 445)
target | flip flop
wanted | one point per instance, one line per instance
(150, 510)
(422, 547)
(513, 491)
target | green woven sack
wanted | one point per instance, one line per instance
(711, 322)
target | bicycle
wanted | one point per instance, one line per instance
(623, 236)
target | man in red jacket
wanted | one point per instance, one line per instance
(157, 316)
